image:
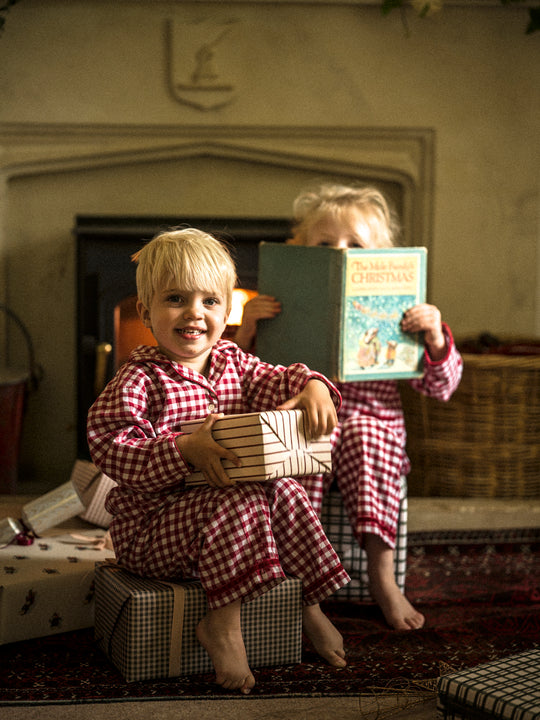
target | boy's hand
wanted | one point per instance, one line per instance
(261, 307)
(427, 319)
(316, 400)
(201, 450)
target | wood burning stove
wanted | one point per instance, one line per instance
(107, 326)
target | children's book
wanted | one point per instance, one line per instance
(341, 309)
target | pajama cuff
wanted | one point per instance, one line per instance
(325, 586)
(255, 582)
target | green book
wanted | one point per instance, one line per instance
(341, 309)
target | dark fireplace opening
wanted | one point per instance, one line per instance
(107, 325)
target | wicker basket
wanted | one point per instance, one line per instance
(485, 441)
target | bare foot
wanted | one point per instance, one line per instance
(220, 634)
(325, 637)
(397, 610)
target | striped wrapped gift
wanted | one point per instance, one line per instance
(507, 689)
(338, 530)
(270, 444)
(93, 487)
(147, 627)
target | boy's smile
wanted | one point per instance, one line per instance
(186, 324)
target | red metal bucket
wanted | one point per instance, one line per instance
(14, 387)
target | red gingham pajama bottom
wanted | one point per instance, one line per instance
(239, 541)
(367, 461)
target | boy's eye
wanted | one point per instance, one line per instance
(175, 299)
(211, 301)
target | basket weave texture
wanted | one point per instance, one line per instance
(483, 442)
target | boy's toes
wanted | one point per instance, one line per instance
(335, 658)
(248, 685)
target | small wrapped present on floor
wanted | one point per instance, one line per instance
(147, 627)
(270, 444)
(51, 509)
(338, 530)
(48, 587)
(507, 689)
(9, 530)
(93, 487)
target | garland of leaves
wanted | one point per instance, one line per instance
(4, 8)
(428, 7)
(422, 7)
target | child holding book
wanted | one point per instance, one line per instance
(368, 443)
(239, 539)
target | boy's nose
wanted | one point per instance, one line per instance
(193, 309)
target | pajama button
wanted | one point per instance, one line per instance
(211, 407)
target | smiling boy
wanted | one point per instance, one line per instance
(239, 539)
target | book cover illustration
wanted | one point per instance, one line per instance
(379, 286)
(342, 308)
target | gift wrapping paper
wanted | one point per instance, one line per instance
(9, 529)
(270, 444)
(48, 587)
(93, 487)
(353, 558)
(53, 508)
(147, 627)
(507, 689)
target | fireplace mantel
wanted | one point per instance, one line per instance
(49, 173)
(401, 155)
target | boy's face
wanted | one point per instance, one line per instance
(347, 231)
(186, 323)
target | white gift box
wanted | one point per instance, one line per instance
(51, 509)
(147, 627)
(271, 444)
(48, 587)
(93, 487)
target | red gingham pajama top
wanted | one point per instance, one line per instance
(239, 541)
(368, 445)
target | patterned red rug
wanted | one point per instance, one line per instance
(480, 594)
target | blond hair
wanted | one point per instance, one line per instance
(338, 201)
(188, 258)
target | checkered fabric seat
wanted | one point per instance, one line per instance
(337, 527)
(507, 689)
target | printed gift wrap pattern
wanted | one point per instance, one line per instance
(48, 587)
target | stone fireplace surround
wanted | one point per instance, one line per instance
(399, 160)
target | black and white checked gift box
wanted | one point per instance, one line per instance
(147, 627)
(353, 558)
(271, 444)
(507, 689)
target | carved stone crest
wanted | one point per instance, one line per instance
(199, 73)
